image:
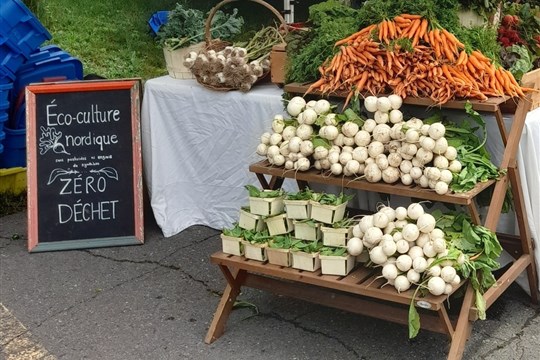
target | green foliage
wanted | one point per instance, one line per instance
(332, 199)
(517, 60)
(482, 7)
(235, 231)
(441, 12)
(111, 38)
(474, 158)
(309, 247)
(482, 38)
(529, 21)
(333, 251)
(306, 194)
(482, 250)
(186, 26)
(254, 237)
(328, 11)
(256, 192)
(281, 242)
(344, 223)
(330, 21)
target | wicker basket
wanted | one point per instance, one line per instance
(218, 45)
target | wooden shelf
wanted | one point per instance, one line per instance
(360, 291)
(314, 176)
(361, 281)
(490, 105)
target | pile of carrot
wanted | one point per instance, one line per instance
(378, 59)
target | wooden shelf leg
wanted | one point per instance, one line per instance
(445, 319)
(217, 327)
(463, 327)
(475, 215)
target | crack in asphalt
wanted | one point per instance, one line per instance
(297, 325)
(516, 337)
(159, 264)
(95, 295)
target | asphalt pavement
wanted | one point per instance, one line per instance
(156, 301)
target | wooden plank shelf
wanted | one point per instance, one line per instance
(314, 176)
(361, 281)
(361, 292)
(492, 104)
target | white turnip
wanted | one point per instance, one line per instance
(401, 283)
(436, 285)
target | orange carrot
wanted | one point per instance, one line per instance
(393, 30)
(315, 85)
(413, 28)
(462, 58)
(474, 61)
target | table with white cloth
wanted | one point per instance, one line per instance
(197, 147)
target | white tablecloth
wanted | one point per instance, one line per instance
(529, 166)
(197, 147)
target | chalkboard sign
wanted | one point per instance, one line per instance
(84, 165)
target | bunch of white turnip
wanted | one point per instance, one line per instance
(406, 244)
(292, 146)
(385, 148)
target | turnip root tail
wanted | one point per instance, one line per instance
(356, 178)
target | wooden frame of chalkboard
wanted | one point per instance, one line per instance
(84, 164)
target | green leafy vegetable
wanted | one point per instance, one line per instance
(330, 21)
(474, 158)
(306, 194)
(306, 246)
(235, 231)
(256, 192)
(414, 318)
(185, 26)
(281, 242)
(257, 237)
(332, 199)
(344, 223)
(520, 62)
(333, 251)
(480, 249)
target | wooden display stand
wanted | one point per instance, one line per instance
(360, 291)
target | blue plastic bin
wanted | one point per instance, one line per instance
(14, 153)
(58, 67)
(21, 26)
(11, 58)
(5, 73)
(4, 106)
(3, 120)
(6, 84)
(18, 120)
(158, 19)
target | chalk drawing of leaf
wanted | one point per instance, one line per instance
(110, 172)
(56, 173)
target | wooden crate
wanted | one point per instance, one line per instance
(532, 79)
(278, 58)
